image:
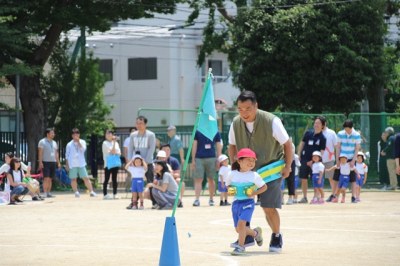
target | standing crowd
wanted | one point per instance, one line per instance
(257, 141)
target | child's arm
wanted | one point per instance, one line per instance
(321, 176)
(144, 165)
(221, 179)
(128, 164)
(259, 190)
(356, 172)
(330, 169)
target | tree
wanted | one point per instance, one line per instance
(39, 24)
(74, 93)
(305, 55)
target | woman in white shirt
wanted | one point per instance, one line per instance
(110, 147)
(15, 185)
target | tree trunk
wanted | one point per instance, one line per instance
(376, 99)
(34, 115)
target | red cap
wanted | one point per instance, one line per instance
(246, 153)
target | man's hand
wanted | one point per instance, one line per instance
(286, 171)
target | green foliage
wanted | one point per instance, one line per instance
(74, 94)
(308, 56)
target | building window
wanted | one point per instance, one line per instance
(142, 68)
(106, 67)
(217, 70)
(216, 66)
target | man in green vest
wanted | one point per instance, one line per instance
(264, 133)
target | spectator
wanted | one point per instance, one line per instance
(397, 153)
(362, 170)
(349, 143)
(382, 165)
(143, 142)
(390, 161)
(6, 166)
(224, 171)
(128, 179)
(313, 140)
(15, 185)
(48, 160)
(176, 144)
(126, 144)
(76, 163)
(110, 147)
(204, 162)
(318, 169)
(264, 133)
(328, 157)
(137, 167)
(165, 188)
(165, 155)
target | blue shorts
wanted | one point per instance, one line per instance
(343, 181)
(360, 182)
(220, 188)
(137, 184)
(315, 179)
(242, 210)
(296, 181)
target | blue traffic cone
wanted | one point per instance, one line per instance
(170, 249)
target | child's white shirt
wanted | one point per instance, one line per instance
(345, 169)
(224, 172)
(362, 168)
(136, 172)
(245, 177)
(318, 167)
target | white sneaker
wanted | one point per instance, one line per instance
(93, 194)
(107, 197)
(289, 201)
(77, 195)
(115, 196)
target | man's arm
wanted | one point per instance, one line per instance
(131, 147)
(194, 150)
(182, 156)
(300, 149)
(218, 148)
(338, 147)
(356, 150)
(40, 157)
(232, 151)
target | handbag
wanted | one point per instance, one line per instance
(113, 160)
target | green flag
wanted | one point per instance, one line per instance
(208, 124)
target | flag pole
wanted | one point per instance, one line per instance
(189, 151)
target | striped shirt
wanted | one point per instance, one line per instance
(348, 142)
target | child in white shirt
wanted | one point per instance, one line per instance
(223, 173)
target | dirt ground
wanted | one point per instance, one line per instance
(91, 231)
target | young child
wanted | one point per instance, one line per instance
(318, 178)
(223, 173)
(344, 178)
(362, 170)
(137, 167)
(296, 176)
(241, 181)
